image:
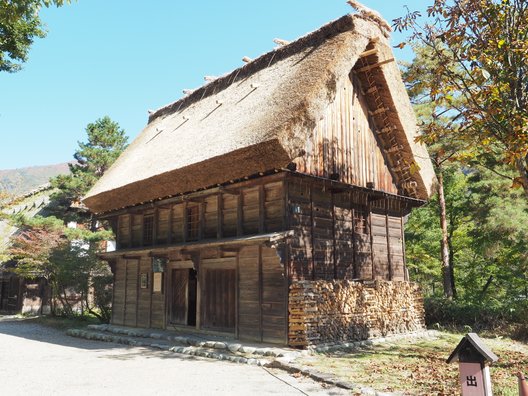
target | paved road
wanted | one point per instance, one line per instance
(37, 360)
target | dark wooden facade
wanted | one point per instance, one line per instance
(231, 252)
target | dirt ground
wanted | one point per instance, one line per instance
(38, 360)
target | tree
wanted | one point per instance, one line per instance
(437, 121)
(481, 48)
(20, 24)
(106, 141)
(66, 259)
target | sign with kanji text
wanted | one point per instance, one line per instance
(471, 379)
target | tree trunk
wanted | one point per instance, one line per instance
(452, 260)
(523, 173)
(446, 269)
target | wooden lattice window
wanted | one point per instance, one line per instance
(148, 230)
(360, 222)
(193, 222)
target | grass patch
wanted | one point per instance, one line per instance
(61, 323)
(417, 367)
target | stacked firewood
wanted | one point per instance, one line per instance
(337, 311)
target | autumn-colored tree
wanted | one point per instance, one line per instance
(481, 76)
(65, 258)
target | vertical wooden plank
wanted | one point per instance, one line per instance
(199, 283)
(334, 253)
(260, 286)
(169, 225)
(287, 291)
(262, 208)
(126, 290)
(369, 208)
(353, 233)
(405, 272)
(185, 222)
(312, 231)
(220, 204)
(113, 293)
(201, 227)
(151, 281)
(237, 294)
(155, 227)
(391, 272)
(240, 225)
(137, 291)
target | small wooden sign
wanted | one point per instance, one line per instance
(157, 282)
(473, 358)
(471, 379)
(143, 281)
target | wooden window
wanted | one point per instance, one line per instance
(148, 230)
(360, 222)
(193, 222)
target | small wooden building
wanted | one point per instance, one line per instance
(17, 294)
(269, 204)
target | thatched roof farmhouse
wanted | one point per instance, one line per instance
(270, 203)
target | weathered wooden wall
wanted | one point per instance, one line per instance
(336, 311)
(249, 208)
(241, 292)
(343, 144)
(343, 234)
(263, 291)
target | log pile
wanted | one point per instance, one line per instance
(322, 312)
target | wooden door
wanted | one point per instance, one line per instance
(179, 282)
(219, 299)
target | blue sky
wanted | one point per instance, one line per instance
(123, 57)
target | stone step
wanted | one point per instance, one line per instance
(172, 346)
(201, 341)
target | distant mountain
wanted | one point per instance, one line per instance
(23, 180)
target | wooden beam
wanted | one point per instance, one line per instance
(246, 59)
(379, 111)
(368, 52)
(373, 66)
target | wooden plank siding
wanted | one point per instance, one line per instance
(257, 208)
(342, 235)
(262, 296)
(343, 145)
(242, 290)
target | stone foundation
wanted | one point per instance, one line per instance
(322, 312)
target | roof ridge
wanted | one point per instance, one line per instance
(333, 28)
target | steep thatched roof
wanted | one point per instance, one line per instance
(29, 205)
(258, 118)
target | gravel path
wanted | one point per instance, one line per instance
(38, 360)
